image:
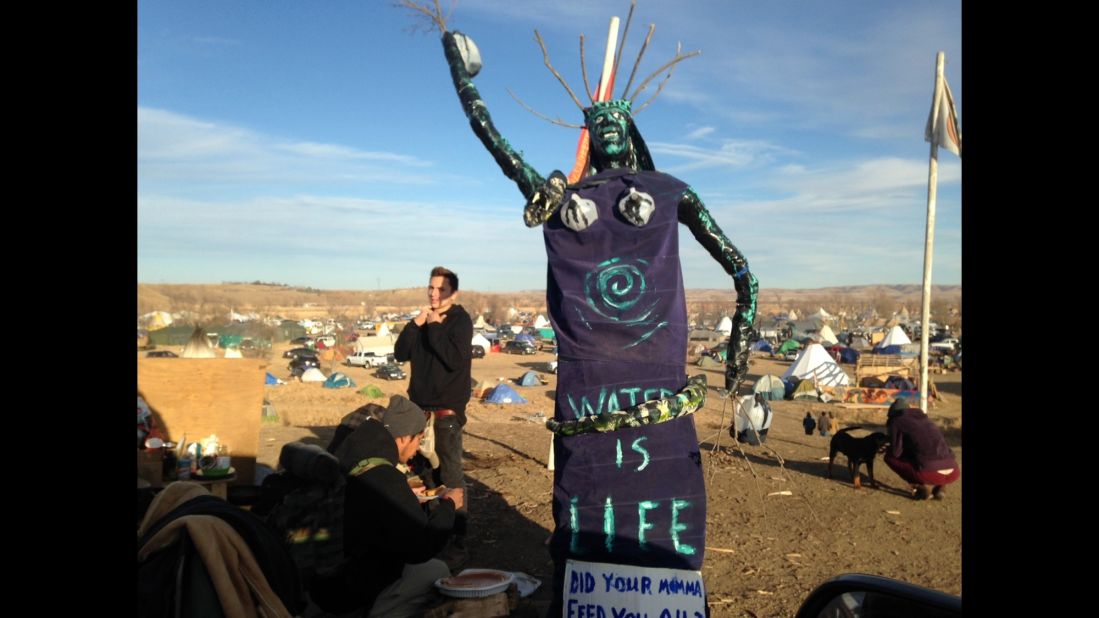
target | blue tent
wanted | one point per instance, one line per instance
(339, 380)
(504, 394)
(762, 346)
(271, 379)
(529, 379)
(889, 349)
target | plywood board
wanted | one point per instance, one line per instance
(203, 396)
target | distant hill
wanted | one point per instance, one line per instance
(214, 301)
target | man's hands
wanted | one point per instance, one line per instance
(428, 316)
(456, 495)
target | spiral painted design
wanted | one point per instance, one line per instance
(616, 289)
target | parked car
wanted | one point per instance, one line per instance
(161, 354)
(300, 364)
(478, 351)
(306, 341)
(365, 359)
(390, 372)
(520, 347)
(296, 352)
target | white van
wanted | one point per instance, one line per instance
(365, 359)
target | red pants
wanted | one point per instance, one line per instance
(906, 471)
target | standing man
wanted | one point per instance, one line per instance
(438, 341)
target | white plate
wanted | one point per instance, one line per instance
(480, 591)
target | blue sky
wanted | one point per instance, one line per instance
(322, 143)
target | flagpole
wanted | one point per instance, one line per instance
(929, 238)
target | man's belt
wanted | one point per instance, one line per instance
(439, 412)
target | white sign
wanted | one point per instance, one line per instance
(599, 590)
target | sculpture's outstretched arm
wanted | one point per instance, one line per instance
(693, 214)
(542, 196)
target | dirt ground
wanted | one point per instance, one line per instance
(764, 553)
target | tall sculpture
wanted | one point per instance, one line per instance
(628, 483)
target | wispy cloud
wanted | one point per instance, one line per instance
(181, 150)
(700, 132)
(729, 153)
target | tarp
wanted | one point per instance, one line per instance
(339, 380)
(371, 390)
(752, 415)
(272, 380)
(814, 361)
(787, 345)
(313, 375)
(709, 362)
(529, 379)
(771, 388)
(547, 334)
(483, 389)
(843, 354)
(504, 394)
(895, 336)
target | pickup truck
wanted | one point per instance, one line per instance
(365, 359)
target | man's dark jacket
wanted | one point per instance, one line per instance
(384, 525)
(441, 354)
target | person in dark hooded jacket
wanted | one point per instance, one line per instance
(918, 451)
(389, 538)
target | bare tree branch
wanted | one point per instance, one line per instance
(636, 63)
(584, 70)
(678, 48)
(434, 15)
(678, 58)
(556, 121)
(545, 56)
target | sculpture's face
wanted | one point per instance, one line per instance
(609, 131)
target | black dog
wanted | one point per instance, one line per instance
(858, 451)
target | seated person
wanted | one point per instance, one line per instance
(389, 538)
(918, 451)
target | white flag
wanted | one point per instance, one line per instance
(945, 133)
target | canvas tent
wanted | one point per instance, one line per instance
(504, 394)
(198, 346)
(541, 322)
(896, 336)
(479, 339)
(233, 353)
(480, 323)
(771, 388)
(815, 362)
(826, 334)
(725, 326)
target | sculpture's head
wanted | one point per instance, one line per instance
(615, 140)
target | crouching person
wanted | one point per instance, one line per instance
(389, 538)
